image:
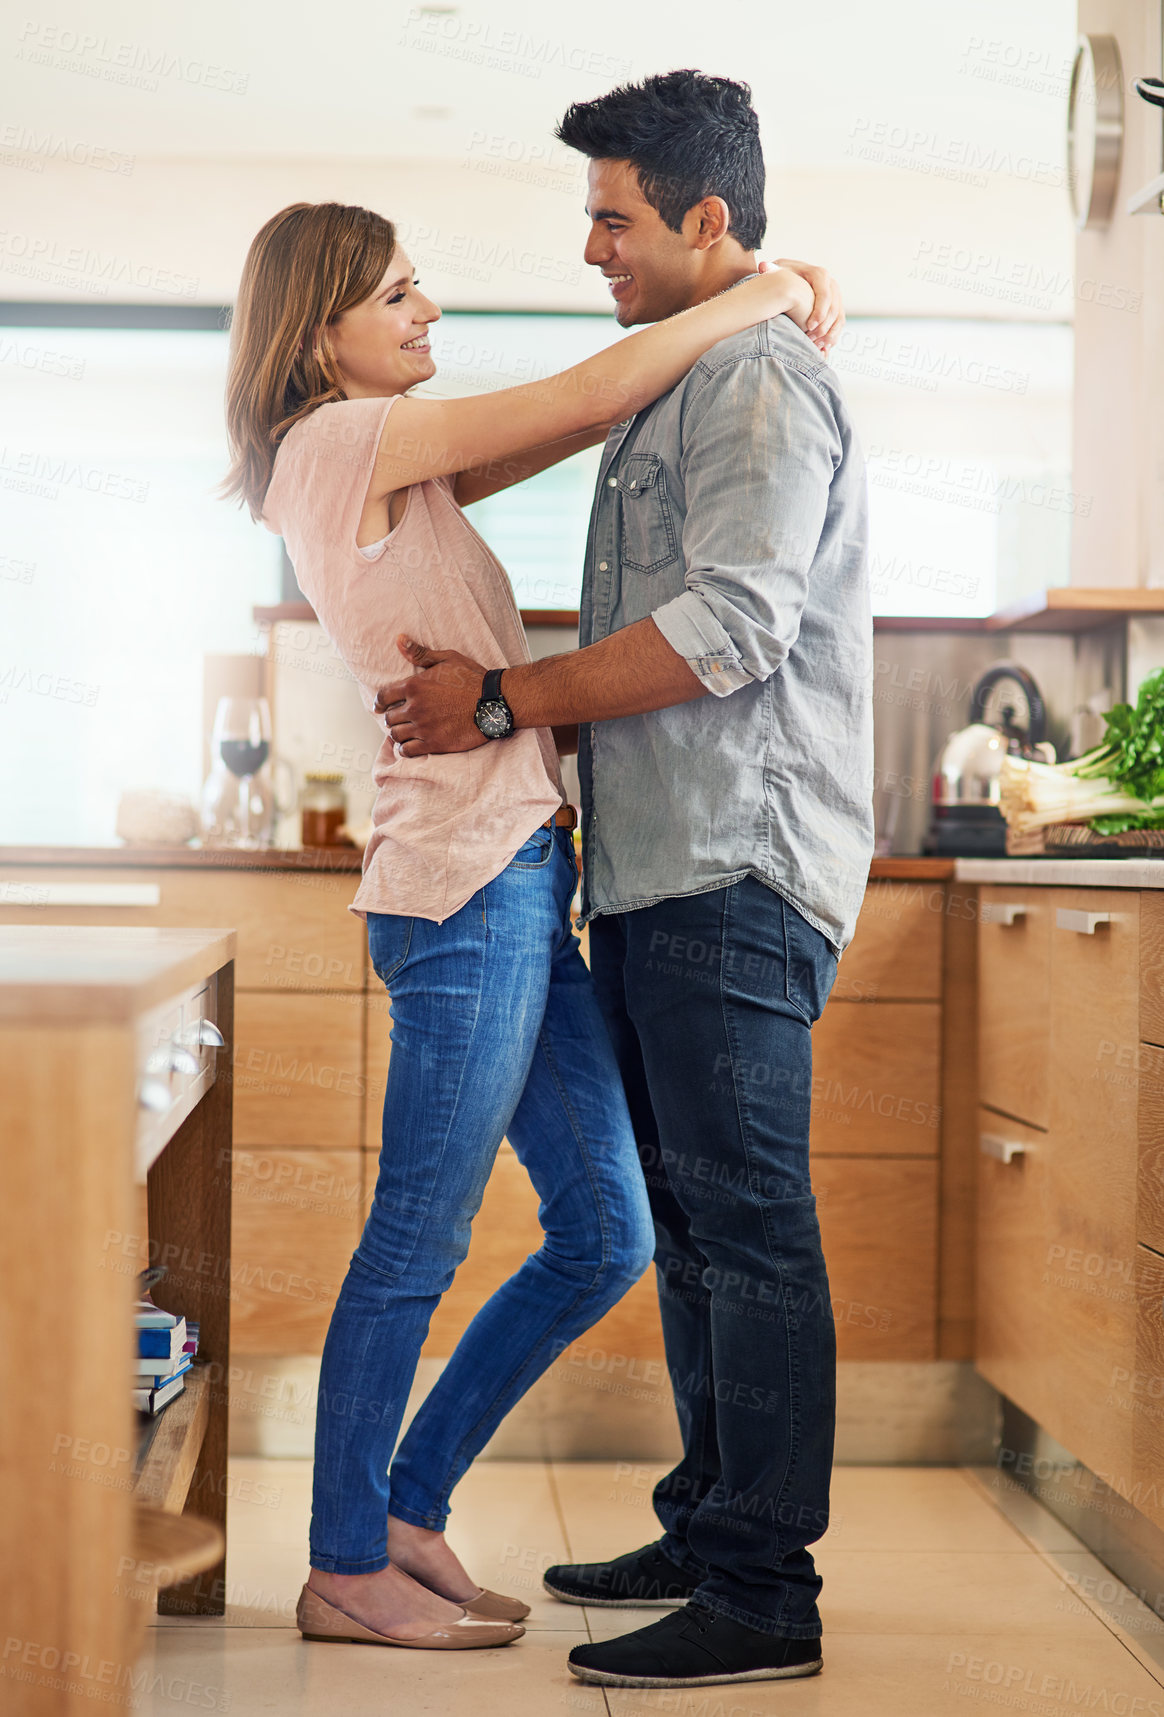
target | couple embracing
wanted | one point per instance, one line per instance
(720, 707)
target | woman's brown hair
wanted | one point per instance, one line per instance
(310, 263)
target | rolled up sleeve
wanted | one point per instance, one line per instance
(760, 446)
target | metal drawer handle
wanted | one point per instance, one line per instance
(155, 1096)
(994, 912)
(1086, 923)
(205, 1032)
(998, 1146)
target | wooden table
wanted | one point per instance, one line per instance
(107, 1078)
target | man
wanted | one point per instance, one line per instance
(724, 687)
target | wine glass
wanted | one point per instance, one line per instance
(242, 738)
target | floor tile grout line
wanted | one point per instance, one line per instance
(559, 1506)
(1118, 1633)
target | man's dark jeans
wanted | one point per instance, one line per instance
(709, 999)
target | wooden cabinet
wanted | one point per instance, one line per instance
(294, 929)
(297, 1059)
(876, 1079)
(896, 1211)
(1152, 967)
(310, 1059)
(879, 1226)
(1142, 1388)
(896, 953)
(299, 1070)
(1057, 1254)
(297, 1217)
(1014, 966)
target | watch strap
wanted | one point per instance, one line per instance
(491, 685)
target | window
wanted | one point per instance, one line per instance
(120, 568)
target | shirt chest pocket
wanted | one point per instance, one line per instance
(648, 530)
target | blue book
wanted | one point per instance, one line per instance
(153, 1379)
(162, 1343)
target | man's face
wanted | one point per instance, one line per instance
(653, 271)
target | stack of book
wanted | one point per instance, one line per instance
(166, 1345)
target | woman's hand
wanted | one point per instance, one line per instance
(827, 318)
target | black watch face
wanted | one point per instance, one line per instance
(494, 718)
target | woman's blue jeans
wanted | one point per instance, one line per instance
(495, 1032)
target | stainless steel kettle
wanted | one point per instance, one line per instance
(966, 818)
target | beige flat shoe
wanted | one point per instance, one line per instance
(494, 1607)
(319, 1620)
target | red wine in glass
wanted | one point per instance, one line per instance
(244, 756)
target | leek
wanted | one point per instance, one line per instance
(1118, 786)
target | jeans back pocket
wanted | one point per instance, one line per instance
(648, 530)
(810, 966)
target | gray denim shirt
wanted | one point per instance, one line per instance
(733, 511)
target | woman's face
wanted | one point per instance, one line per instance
(381, 345)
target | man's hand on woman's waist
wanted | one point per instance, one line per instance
(629, 673)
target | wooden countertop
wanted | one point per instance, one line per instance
(907, 869)
(77, 976)
(1064, 872)
(190, 858)
(333, 859)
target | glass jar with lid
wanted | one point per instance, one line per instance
(323, 809)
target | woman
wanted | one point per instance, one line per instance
(466, 888)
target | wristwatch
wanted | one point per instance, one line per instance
(493, 715)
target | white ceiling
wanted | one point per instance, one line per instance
(391, 81)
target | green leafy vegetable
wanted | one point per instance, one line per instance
(1118, 786)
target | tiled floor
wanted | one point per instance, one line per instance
(941, 1589)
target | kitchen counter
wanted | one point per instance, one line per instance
(191, 858)
(1063, 873)
(903, 869)
(88, 974)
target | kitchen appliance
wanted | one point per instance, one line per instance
(966, 821)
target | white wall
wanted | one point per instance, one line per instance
(177, 230)
(1119, 352)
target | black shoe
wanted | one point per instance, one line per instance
(641, 1580)
(694, 1648)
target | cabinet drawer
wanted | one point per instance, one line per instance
(298, 1070)
(1145, 1387)
(875, 1086)
(1056, 1299)
(294, 931)
(1014, 977)
(1014, 1319)
(896, 951)
(1152, 965)
(295, 1223)
(1150, 1181)
(879, 1226)
(1094, 1051)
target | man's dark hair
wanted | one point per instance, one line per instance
(687, 136)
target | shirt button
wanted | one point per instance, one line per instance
(612, 482)
(602, 566)
(634, 483)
